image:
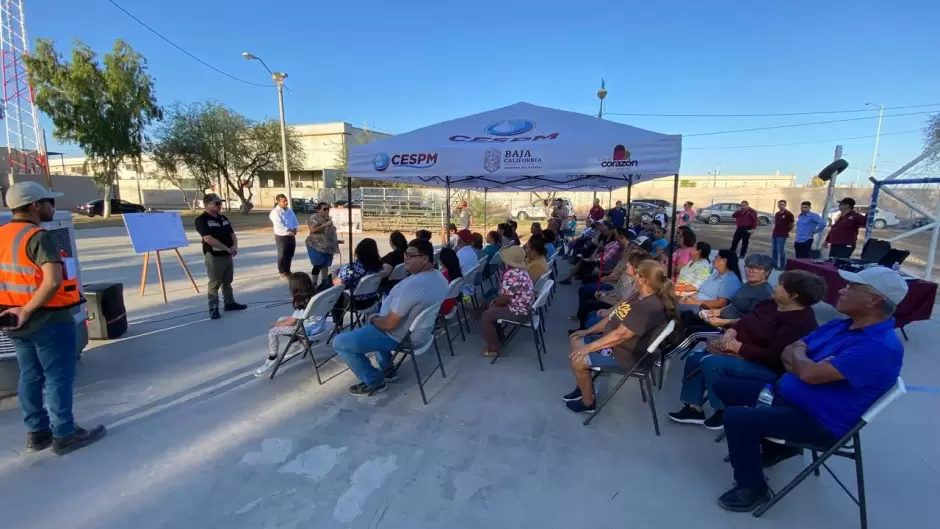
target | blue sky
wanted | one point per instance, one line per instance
(402, 65)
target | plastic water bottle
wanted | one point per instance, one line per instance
(766, 397)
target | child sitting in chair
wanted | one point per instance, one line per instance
(302, 291)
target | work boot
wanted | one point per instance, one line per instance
(79, 438)
(234, 306)
(38, 441)
(214, 310)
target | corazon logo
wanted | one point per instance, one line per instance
(510, 127)
(380, 162)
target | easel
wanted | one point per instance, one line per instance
(143, 277)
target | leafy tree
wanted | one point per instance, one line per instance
(168, 165)
(815, 181)
(103, 108)
(215, 143)
(687, 183)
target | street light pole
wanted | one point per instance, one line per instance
(278, 78)
(874, 157)
(601, 94)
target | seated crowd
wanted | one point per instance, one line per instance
(761, 335)
(821, 379)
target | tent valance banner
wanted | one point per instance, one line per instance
(521, 147)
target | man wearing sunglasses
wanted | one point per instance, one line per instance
(219, 246)
(36, 295)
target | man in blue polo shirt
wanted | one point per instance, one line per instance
(833, 376)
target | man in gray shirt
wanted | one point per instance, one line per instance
(424, 288)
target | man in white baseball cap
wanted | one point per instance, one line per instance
(833, 375)
(23, 193)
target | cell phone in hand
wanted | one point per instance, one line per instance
(8, 321)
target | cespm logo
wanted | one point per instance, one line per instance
(383, 161)
(510, 127)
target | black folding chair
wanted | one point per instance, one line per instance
(453, 292)
(642, 371)
(318, 307)
(417, 341)
(849, 447)
(682, 350)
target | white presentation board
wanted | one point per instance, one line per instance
(150, 232)
(340, 218)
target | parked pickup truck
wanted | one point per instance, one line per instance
(537, 209)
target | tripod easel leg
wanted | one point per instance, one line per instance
(143, 277)
(185, 269)
(160, 276)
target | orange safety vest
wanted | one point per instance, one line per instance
(20, 277)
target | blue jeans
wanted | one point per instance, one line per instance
(587, 291)
(353, 346)
(47, 358)
(779, 254)
(747, 426)
(713, 367)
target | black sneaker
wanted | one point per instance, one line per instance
(716, 421)
(38, 441)
(214, 314)
(578, 406)
(364, 390)
(688, 415)
(574, 395)
(742, 499)
(772, 453)
(79, 438)
(564, 282)
(234, 306)
(391, 374)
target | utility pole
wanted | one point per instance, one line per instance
(715, 174)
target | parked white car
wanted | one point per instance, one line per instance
(883, 218)
(536, 210)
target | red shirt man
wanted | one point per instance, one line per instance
(783, 221)
(843, 235)
(745, 217)
(597, 212)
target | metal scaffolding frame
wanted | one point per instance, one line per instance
(933, 224)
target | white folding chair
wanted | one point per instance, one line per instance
(453, 292)
(544, 278)
(496, 264)
(418, 340)
(641, 371)
(534, 320)
(469, 289)
(849, 447)
(368, 285)
(398, 273)
(318, 307)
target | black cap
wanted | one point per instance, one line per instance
(211, 197)
(850, 202)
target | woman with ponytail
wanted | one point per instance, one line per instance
(627, 332)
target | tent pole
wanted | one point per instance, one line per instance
(629, 188)
(349, 207)
(484, 209)
(610, 196)
(672, 221)
(446, 207)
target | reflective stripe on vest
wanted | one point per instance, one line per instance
(20, 278)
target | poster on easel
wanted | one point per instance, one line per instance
(340, 218)
(154, 232)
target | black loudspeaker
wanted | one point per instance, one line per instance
(833, 169)
(107, 317)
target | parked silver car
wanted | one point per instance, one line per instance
(721, 212)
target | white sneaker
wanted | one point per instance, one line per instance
(265, 368)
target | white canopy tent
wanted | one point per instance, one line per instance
(522, 147)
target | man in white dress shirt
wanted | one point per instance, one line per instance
(285, 229)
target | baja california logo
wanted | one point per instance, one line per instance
(491, 160)
(506, 131)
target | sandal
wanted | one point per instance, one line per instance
(490, 354)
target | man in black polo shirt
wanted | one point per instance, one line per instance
(219, 245)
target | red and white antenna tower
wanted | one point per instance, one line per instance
(25, 149)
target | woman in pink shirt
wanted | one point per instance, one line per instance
(686, 216)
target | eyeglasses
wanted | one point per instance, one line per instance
(754, 268)
(409, 255)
